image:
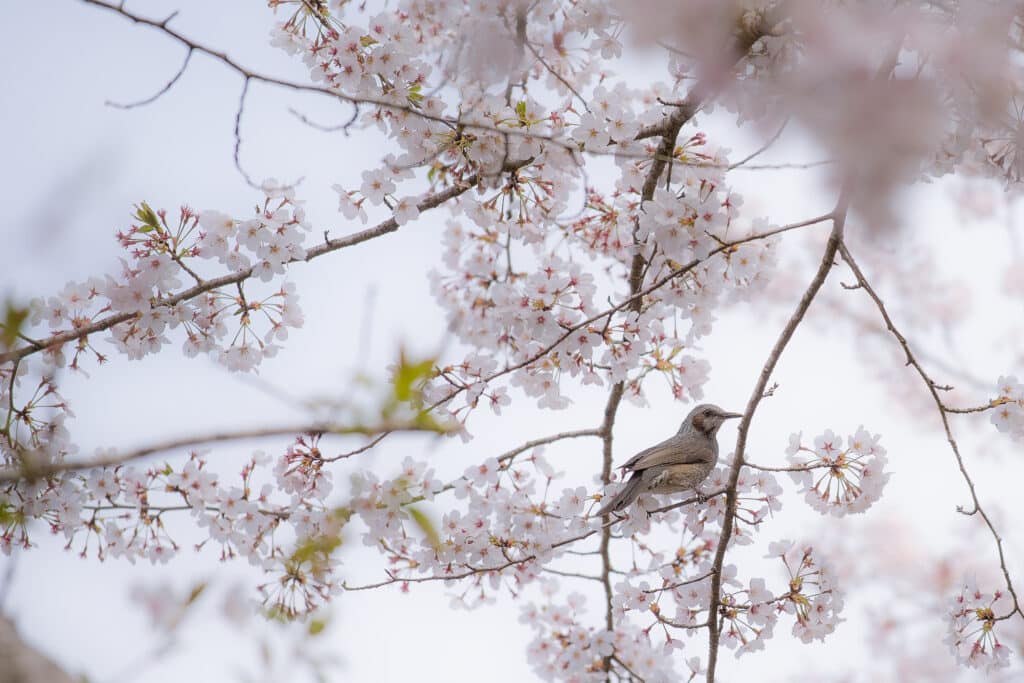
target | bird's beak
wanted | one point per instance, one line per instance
(729, 416)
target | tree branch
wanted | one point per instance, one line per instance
(827, 262)
(933, 389)
(510, 454)
(390, 225)
(251, 75)
(32, 470)
(22, 663)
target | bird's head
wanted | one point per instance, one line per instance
(706, 419)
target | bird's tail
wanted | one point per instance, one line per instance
(626, 495)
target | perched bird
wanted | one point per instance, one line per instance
(676, 464)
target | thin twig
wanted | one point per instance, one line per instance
(33, 470)
(157, 94)
(761, 150)
(238, 136)
(934, 389)
(680, 584)
(572, 575)
(508, 455)
(795, 468)
(633, 675)
(688, 501)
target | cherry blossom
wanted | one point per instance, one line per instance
(835, 480)
(592, 237)
(972, 637)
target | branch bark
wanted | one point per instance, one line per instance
(944, 410)
(827, 262)
(22, 663)
(29, 470)
(390, 225)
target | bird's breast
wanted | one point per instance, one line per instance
(681, 477)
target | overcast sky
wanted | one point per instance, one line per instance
(72, 171)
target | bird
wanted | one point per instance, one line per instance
(678, 463)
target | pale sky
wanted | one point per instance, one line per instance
(73, 170)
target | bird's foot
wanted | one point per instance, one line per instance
(701, 498)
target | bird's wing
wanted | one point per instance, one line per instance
(676, 450)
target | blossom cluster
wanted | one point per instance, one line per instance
(239, 329)
(517, 294)
(750, 616)
(515, 289)
(566, 647)
(813, 597)
(835, 480)
(973, 616)
(274, 514)
(239, 323)
(673, 585)
(501, 530)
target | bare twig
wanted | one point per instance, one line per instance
(508, 455)
(362, 449)
(343, 127)
(683, 503)
(680, 584)
(238, 136)
(783, 166)
(763, 148)
(795, 468)
(633, 676)
(572, 575)
(933, 389)
(157, 94)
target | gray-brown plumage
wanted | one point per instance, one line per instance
(678, 463)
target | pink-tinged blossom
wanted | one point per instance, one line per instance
(376, 185)
(973, 618)
(591, 132)
(813, 596)
(1007, 412)
(567, 647)
(519, 292)
(348, 207)
(405, 210)
(837, 480)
